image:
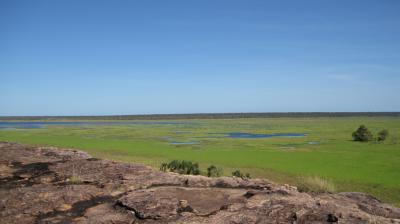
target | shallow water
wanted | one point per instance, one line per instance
(183, 143)
(252, 135)
(42, 124)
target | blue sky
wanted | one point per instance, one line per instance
(140, 57)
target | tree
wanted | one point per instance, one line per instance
(213, 171)
(382, 135)
(362, 134)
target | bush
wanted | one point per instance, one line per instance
(213, 171)
(173, 165)
(382, 135)
(182, 167)
(237, 173)
(362, 134)
(316, 185)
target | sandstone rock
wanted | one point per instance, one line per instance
(34, 188)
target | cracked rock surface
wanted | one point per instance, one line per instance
(51, 185)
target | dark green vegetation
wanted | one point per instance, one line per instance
(189, 167)
(238, 173)
(327, 151)
(383, 135)
(181, 167)
(362, 134)
(213, 171)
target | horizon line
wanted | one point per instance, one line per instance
(219, 114)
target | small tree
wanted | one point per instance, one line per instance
(382, 135)
(213, 171)
(362, 134)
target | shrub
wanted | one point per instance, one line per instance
(362, 134)
(382, 135)
(191, 168)
(182, 167)
(173, 165)
(316, 185)
(213, 171)
(237, 173)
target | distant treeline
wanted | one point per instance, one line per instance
(208, 116)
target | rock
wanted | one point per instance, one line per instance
(34, 188)
(105, 213)
(332, 218)
(63, 208)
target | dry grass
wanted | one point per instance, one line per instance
(74, 179)
(316, 185)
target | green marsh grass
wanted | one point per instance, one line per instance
(351, 166)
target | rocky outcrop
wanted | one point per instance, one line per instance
(50, 185)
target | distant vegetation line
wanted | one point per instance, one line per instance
(207, 116)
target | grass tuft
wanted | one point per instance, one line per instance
(316, 185)
(74, 179)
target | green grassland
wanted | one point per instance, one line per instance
(326, 151)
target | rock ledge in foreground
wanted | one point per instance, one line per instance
(50, 185)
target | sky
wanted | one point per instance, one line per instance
(81, 57)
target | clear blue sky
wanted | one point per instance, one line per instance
(138, 57)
